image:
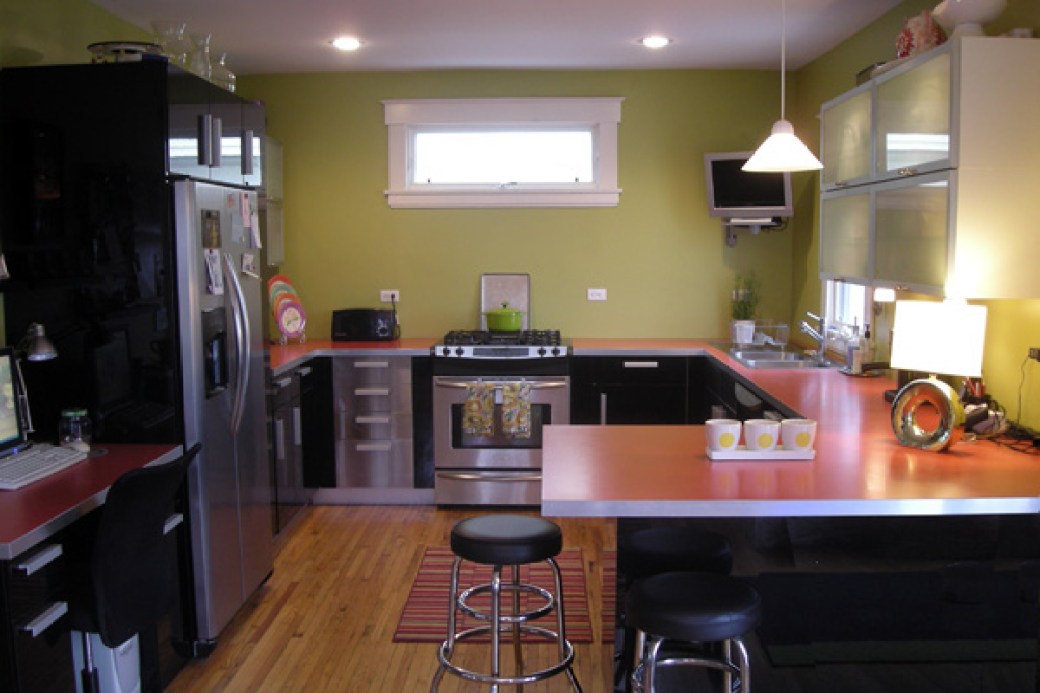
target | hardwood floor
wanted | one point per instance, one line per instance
(325, 620)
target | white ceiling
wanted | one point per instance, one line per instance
(269, 36)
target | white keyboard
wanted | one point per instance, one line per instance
(39, 461)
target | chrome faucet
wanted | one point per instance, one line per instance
(819, 335)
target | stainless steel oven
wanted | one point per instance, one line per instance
(491, 463)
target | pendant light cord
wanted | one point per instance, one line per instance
(783, 57)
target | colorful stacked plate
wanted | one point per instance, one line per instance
(286, 307)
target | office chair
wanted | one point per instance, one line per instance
(128, 582)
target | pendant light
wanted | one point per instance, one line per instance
(782, 150)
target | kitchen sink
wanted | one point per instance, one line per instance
(771, 358)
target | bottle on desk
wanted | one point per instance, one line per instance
(74, 429)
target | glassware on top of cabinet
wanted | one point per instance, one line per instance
(174, 42)
(222, 76)
(199, 60)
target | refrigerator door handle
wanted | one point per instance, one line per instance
(241, 324)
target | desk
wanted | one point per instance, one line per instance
(29, 517)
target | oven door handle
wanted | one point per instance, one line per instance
(535, 385)
(490, 476)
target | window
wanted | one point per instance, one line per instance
(503, 152)
(846, 308)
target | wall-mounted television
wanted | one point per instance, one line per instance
(742, 196)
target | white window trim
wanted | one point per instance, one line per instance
(404, 116)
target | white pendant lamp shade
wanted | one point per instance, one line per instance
(782, 151)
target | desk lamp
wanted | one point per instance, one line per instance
(35, 346)
(937, 338)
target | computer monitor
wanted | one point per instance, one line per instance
(12, 424)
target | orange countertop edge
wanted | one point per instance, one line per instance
(37, 511)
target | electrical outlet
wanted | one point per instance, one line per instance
(596, 295)
(390, 295)
(1034, 353)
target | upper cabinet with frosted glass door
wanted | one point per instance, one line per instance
(943, 180)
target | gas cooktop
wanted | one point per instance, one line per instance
(487, 344)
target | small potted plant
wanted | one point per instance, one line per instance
(742, 309)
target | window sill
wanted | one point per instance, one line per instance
(501, 198)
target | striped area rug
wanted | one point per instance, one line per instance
(609, 590)
(425, 614)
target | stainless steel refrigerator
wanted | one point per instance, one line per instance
(223, 358)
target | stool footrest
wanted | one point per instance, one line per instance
(531, 677)
(523, 616)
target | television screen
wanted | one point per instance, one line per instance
(738, 194)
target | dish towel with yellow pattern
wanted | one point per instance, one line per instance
(478, 413)
(516, 410)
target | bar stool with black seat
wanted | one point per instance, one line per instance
(650, 551)
(497, 541)
(687, 608)
(124, 579)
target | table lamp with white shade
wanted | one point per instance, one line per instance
(939, 338)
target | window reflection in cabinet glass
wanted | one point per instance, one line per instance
(846, 140)
(845, 236)
(913, 125)
(911, 233)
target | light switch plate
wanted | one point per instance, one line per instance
(596, 295)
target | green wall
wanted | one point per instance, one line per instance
(660, 257)
(39, 32)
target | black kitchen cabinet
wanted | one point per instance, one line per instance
(716, 391)
(629, 390)
(318, 424)
(35, 649)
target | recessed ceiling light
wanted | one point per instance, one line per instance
(346, 43)
(655, 41)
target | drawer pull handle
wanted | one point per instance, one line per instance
(372, 392)
(372, 419)
(39, 560)
(508, 478)
(371, 364)
(283, 382)
(304, 371)
(373, 447)
(640, 364)
(172, 522)
(46, 619)
(297, 417)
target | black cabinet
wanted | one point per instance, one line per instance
(318, 424)
(35, 649)
(715, 391)
(628, 390)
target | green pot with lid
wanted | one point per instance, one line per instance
(504, 319)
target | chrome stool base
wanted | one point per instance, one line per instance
(512, 623)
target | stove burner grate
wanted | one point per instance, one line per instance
(485, 337)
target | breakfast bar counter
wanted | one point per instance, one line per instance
(859, 469)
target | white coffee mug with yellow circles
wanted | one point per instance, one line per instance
(723, 434)
(798, 434)
(761, 434)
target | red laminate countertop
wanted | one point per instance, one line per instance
(35, 512)
(859, 468)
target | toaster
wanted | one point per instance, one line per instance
(365, 325)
